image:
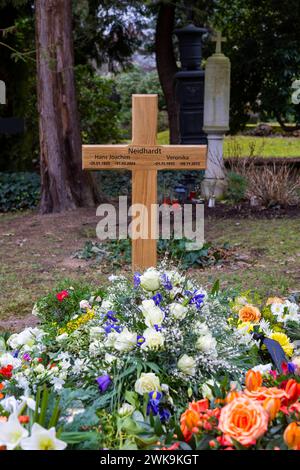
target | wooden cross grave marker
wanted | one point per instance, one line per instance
(144, 158)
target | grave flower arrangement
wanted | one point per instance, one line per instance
(277, 319)
(125, 361)
(262, 414)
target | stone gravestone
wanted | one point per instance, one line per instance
(144, 158)
(216, 118)
(9, 125)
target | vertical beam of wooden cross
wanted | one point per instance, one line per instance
(144, 158)
(144, 182)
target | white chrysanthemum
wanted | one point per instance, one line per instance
(278, 311)
(265, 327)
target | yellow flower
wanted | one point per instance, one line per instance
(247, 325)
(284, 342)
(73, 325)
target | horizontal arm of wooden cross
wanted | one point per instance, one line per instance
(144, 157)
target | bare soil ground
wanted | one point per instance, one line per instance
(36, 253)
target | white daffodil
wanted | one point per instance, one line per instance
(11, 432)
(42, 439)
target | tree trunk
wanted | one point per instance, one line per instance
(166, 64)
(64, 185)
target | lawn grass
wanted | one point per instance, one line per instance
(31, 269)
(243, 146)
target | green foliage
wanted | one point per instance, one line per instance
(98, 107)
(265, 57)
(51, 310)
(136, 81)
(117, 253)
(237, 186)
(19, 191)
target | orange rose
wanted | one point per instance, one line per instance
(244, 420)
(189, 423)
(272, 406)
(232, 396)
(253, 380)
(274, 300)
(201, 405)
(291, 436)
(261, 393)
(249, 313)
(292, 389)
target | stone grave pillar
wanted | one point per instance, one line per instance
(216, 119)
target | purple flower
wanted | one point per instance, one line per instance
(291, 367)
(197, 299)
(157, 298)
(157, 328)
(166, 282)
(108, 327)
(164, 415)
(140, 340)
(26, 357)
(111, 316)
(103, 382)
(16, 353)
(137, 279)
(153, 403)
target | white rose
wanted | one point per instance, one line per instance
(62, 337)
(126, 410)
(152, 313)
(178, 310)
(187, 365)
(206, 343)
(150, 280)
(153, 339)
(84, 304)
(126, 340)
(148, 382)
